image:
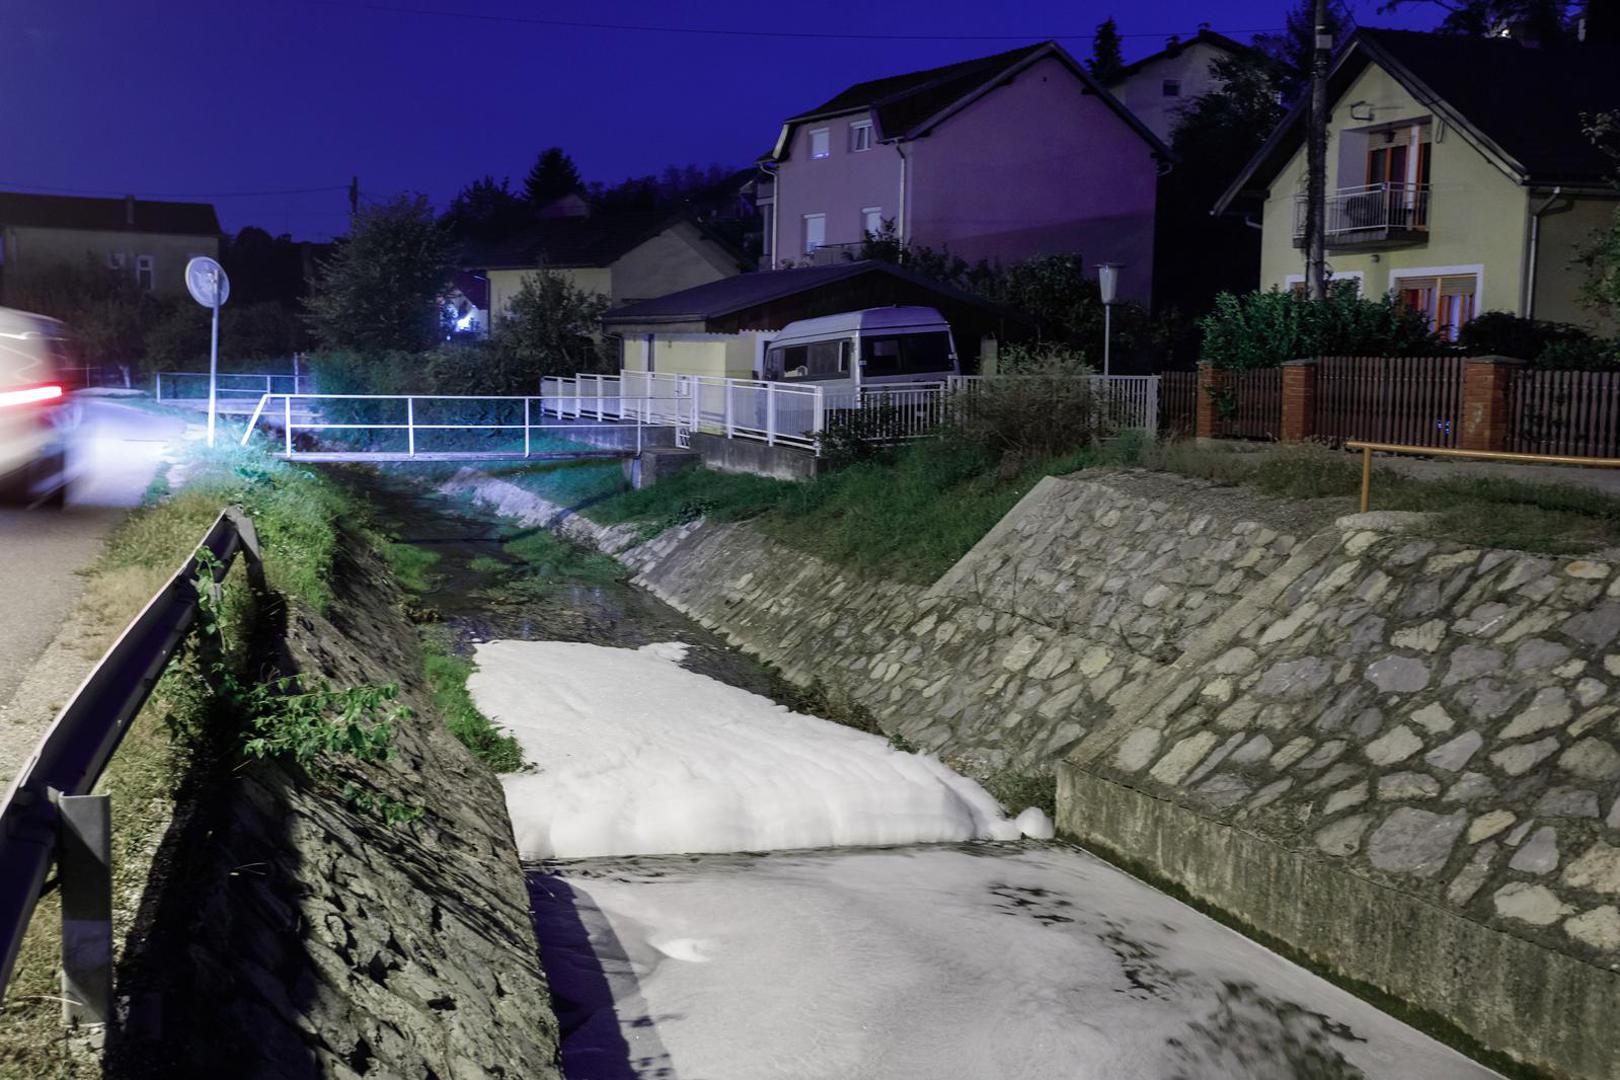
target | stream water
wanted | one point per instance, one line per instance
(964, 959)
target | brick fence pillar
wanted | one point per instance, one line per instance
(1210, 381)
(1298, 400)
(1484, 421)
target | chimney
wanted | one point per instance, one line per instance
(129, 210)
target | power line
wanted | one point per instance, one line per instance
(26, 188)
(650, 28)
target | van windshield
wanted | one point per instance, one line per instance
(907, 354)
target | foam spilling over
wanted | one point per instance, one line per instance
(638, 756)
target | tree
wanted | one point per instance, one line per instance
(1290, 51)
(1106, 61)
(552, 327)
(379, 289)
(108, 313)
(1601, 254)
(1541, 21)
(554, 175)
(484, 210)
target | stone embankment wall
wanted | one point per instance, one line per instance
(301, 936)
(1396, 756)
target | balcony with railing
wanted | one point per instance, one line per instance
(1371, 216)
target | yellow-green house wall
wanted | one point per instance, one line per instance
(1567, 226)
(729, 355)
(1478, 214)
(504, 284)
(29, 249)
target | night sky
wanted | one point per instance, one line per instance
(252, 103)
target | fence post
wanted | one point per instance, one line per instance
(818, 423)
(770, 414)
(286, 421)
(731, 423)
(1299, 400)
(525, 427)
(1211, 381)
(1485, 419)
(1152, 417)
(84, 867)
(159, 389)
(410, 426)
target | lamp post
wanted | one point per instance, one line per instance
(1107, 284)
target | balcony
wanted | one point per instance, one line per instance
(1371, 217)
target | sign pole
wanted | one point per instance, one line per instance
(213, 364)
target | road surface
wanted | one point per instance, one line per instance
(42, 551)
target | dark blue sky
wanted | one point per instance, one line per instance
(238, 101)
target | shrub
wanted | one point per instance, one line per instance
(1544, 344)
(1043, 407)
(1266, 329)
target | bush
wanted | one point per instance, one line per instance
(1042, 407)
(1267, 329)
(1545, 344)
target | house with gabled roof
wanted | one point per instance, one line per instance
(1002, 157)
(1459, 176)
(1157, 87)
(623, 255)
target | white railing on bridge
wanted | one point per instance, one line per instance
(411, 436)
(799, 414)
(192, 386)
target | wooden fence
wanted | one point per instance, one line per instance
(1411, 400)
(1178, 404)
(1249, 405)
(1564, 412)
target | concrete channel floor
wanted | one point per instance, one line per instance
(977, 960)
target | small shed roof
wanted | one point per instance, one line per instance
(128, 214)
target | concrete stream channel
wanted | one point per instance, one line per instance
(967, 959)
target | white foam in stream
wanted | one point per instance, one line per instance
(637, 755)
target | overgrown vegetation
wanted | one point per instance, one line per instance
(447, 676)
(1266, 329)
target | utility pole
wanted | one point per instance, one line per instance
(354, 195)
(1316, 161)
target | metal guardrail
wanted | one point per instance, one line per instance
(1369, 448)
(231, 384)
(48, 812)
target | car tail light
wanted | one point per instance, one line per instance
(29, 395)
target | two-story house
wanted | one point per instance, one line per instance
(1156, 87)
(148, 240)
(1000, 158)
(1459, 176)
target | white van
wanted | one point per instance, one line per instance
(36, 413)
(874, 347)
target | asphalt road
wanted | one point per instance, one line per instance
(41, 551)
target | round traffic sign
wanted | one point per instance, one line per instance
(204, 276)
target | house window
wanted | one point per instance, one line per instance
(143, 272)
(860, 136)
(821, 143)
(872, 220)
(1448, 300)
(115, 260)
(1172, 88)
(815, 232)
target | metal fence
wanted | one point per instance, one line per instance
(1248, 405)
(1410, 400)
(192, 386)
(1564, 412)
(48, 812)
(1178, 404)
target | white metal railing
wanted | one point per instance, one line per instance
(1126, 401)
(231, 384)
(305, 413)
(1369, 210)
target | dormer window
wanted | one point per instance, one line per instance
(821, 143)
(860, 136)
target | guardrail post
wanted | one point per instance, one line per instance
(731, 416)
(286, 421)
(1298, 400)
(770, 414)
(525, 427)
(410, 426)
(84, 867)
(818, 422)
(158, 389)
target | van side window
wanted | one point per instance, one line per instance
(817, 360)
(907, 354)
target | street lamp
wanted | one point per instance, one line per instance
(1107, 284)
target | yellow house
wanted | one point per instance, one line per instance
(148, 240)
(1458, 175)
(624, 256)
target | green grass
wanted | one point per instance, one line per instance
(1483, 511)
(484, 564)
(412, 565)
(447, 678)
(546, 559)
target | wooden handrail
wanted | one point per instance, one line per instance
(1367, 449)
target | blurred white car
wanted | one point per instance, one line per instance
(36, 413)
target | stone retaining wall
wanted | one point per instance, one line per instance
(1398, 756)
